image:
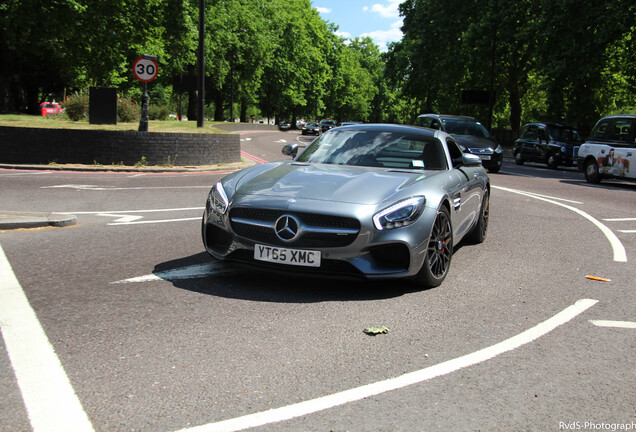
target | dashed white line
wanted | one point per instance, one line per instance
(48, 396)
(330, 401)
(614, 324)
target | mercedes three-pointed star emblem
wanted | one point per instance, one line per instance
(287, 228)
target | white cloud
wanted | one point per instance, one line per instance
(388, 10)
(323, 10)
(343, 34)
(391, 35)
(383, 37)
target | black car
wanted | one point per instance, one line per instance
(326, 124)
(553, 144)
(471, 135)
(310, 128)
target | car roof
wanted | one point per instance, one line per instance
(615, 116)
(395, 128)
(549, 124)
(449, 116)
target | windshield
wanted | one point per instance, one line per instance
(376, 149)
(566, 134)
(465, 128)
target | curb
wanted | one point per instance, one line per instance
(14, 220)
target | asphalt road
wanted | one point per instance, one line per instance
(122, 323)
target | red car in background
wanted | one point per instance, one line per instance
(50, 109)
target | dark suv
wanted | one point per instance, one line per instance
(326, 124)
(471, 135)
(553, 144)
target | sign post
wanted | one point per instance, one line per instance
(145, 70)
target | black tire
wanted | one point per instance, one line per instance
(592, 174)
(518, 159)
(439, 252)
(479, 231)
(551, 161)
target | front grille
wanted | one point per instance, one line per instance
(258, 225)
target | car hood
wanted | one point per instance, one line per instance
(475, 142)
(335, 183)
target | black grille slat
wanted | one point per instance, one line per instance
(267, 235)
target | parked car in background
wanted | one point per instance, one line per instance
(326, 124)
(284, 125)
(349, 123)
(310, 128)
(471, 135)
(48, 109)
(370, 201)
(553, 144)
(610, 151)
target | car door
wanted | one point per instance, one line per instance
(465, 191)
(620, 160)
(541, 145)
(528, 140)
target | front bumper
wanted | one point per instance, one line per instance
(390, 253)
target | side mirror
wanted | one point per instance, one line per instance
(470, 159)
(290, 150)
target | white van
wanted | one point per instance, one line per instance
(610, 151)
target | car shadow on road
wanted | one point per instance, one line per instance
(200, 273)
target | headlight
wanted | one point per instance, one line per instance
(399, 215)
(217, 200)
(499, 149)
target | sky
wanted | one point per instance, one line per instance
(378, 19)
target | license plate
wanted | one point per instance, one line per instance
(484, 157)
(306, 258)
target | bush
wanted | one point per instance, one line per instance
(158, 112)
(127, 110)
(76, 106)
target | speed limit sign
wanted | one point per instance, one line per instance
(145, 69)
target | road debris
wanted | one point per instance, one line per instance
(597, 278)
(373, 331)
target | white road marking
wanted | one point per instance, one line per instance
(190, 272)
(330, 401)
(620, 220)
(553, 198)
(48, 396)
(198, 218)
(517, 174)
(113, 188)
(614, 324)
(133, 211)
(121, 218)
(619, 250)
(627, 231)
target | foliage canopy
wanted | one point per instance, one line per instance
(558, 60)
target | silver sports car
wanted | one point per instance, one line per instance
(373, 201)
